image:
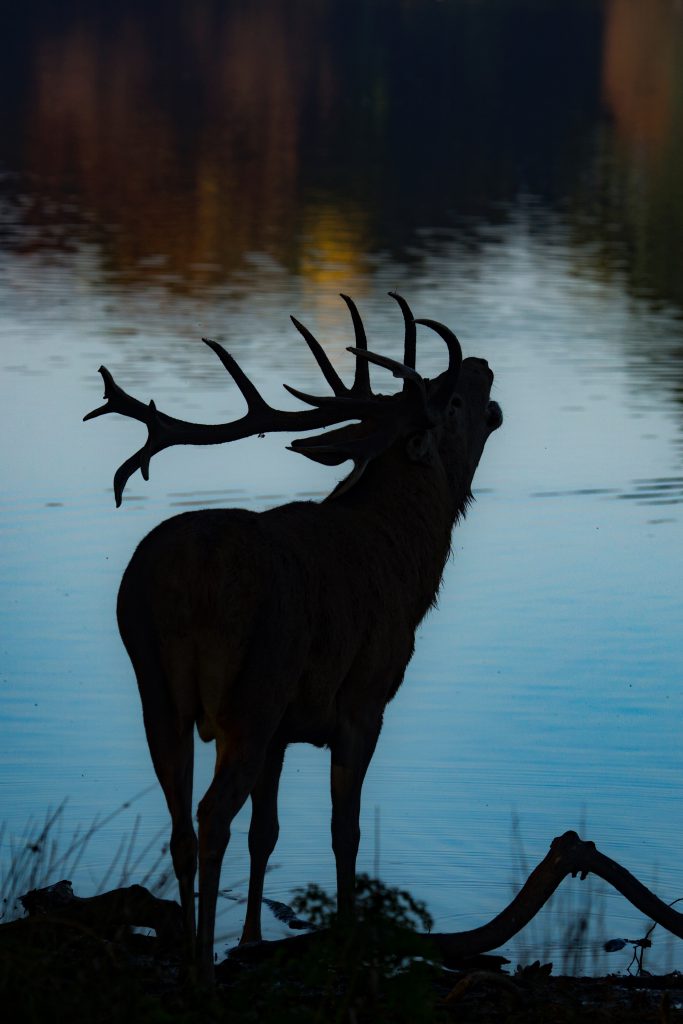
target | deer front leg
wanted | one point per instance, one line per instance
(352, 750)
(263, 832)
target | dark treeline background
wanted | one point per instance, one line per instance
(391, 117)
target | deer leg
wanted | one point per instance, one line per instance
(352, 750)
(232, 783)
(263, 833)
(173, 759)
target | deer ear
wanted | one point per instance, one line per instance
(420, 447)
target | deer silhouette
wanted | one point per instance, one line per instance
(295, 624)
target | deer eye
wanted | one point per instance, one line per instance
(454, 406)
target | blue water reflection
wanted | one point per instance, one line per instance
(547, 684)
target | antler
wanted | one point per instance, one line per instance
(165, 431)
(388, 416)
(445, 383)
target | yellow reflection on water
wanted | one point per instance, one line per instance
(334, 260)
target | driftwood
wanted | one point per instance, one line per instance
(568, 855)
(136, 906)
(132, 906)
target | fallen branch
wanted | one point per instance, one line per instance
(568, 855)
(132, 906)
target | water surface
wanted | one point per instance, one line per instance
(140, 211)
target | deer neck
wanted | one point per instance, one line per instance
(408, 511)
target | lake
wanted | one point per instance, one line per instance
(174, 174)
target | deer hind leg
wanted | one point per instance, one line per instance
(234, 778)
(172, 751)
(263, 833)
(170, 737)
(352, 748)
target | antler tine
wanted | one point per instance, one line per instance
(251, 394)
(445, 383)
(331, 455)
(361, 381)
(331, 449)
(117, 400)
(407, 373)
(410, 341)
(454, 349)
(355, 408)
(125, 472)
(329, 372)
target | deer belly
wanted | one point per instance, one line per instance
(303, 723)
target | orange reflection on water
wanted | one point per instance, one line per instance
(184, 141)
(196, 171)
(641, 69)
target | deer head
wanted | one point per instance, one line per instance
(427, 415)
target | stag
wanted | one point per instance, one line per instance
(295, 624)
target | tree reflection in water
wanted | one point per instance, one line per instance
(182, 138)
